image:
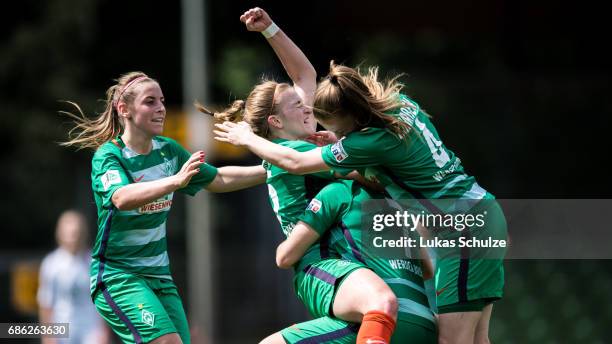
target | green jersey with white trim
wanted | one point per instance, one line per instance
(338, 208)
(135, 240)
(418, 162)
(289, 195)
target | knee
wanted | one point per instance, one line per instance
(385, 301)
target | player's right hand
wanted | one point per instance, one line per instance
(190, 168)
(256, 19)
(322, 138)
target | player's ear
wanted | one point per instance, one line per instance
(274, 121)
(122, 110)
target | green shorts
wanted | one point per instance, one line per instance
(470, 306)
(464, 280)
(140, 309)
(407, 332)
(321, 330)
(316, 284)
(474, 273)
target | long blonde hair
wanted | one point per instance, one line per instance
(92, 133)
(259, 105)
(346, 92)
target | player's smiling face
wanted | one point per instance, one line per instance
(147, 112)
(296, 117)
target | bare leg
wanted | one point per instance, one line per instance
(457, 328)
(482, 329)
(363, 291)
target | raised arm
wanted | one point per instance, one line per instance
(297, 65)
(241, 134)
(232, 178)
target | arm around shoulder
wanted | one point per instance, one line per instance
(303, 162)
(233, 178)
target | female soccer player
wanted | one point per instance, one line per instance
(347, 290)
(135, 173)
(340, 208)
(385, 135)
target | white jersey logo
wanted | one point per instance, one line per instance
(109, 178)
(314, 205)
(148, 317)
(338, 151)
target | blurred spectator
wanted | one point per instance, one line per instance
(63, 294)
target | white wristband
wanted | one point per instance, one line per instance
(270, 31)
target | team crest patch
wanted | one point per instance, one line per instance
(109, 178)
(314, 205)
(169, 167)
(343, 262)
(148, 317)
(338, 151)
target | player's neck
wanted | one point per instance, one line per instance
(282, 134)
(138, 142)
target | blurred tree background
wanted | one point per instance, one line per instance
(518, 89)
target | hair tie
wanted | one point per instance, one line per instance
(273, 99)
(135, 80)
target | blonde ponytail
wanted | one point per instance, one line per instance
(259, 105)
(92, 133)
(235, 113)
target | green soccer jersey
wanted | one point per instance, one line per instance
(134, 241)
(338, 207)
(290, 194)
(417, 166)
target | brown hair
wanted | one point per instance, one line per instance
(92, 133)
(259, 105)
(346, 92)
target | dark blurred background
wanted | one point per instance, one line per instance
(518, 89)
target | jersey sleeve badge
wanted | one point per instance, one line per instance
(314, 205)
(111, 177)
(338, 151)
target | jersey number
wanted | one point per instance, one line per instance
(438, 152)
